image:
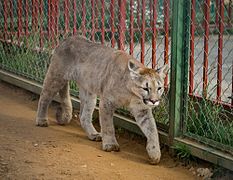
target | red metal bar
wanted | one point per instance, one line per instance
(102, 22)
(122, 28)
(33, 13)
(166, 39)
(151, 12)
(84, 17)
(75, 17)
(143, 25)
(20, 27)
(26, 20)
(49, 19)
(192, 39)
(138, 13)
(220, 48)
(154, 31)
(92, 20)
(131, 28)
(52, 21)
(36, 14)
(41, 23)
(230, 14)
(11, 20)
(112, 23)
(206, 47)
(56, 21)
(96, 15)
(216, 12)
(66, 16)
(5, 20)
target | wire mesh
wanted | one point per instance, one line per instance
(30, 30)
(210, 113)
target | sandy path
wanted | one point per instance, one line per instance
(56, 152)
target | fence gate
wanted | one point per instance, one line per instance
(194, 37)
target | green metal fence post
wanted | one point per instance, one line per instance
(179, 64)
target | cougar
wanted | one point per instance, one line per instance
(117, 78)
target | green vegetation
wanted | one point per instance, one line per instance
(205, 119)
(23, 61)
(183, 153)
(210, 120)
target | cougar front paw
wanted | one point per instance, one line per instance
(154, 153)
(42, 122)
(111, 147)
(95, 137)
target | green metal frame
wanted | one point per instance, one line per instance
(180, 52)
(179, 66)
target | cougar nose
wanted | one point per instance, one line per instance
(154, 101)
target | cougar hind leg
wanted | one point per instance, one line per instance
(64, 111)
(88, 102)
(52, 84)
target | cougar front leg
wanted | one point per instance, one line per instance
(88, 102)
(146, 122)
(109, 142)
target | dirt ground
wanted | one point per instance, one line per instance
(64, 152)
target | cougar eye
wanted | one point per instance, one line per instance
(146, 88)
(159, 88)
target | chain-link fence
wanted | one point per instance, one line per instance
(210, 114)
(31, 29)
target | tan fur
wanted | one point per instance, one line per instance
(116, 77)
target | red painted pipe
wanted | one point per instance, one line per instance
(216, 12)
(206, 47)
(36, 14)
(92, 20)
(112, 14)
(166, 39)
(131, 48)
(5, 20)
(143, 25)
(52, 21)
(57, 21)
(12, 19)
(75, 17)
(230, 14)
(154, 31)
(41, 23)
(220, 48)
(84, 17)
(192, 40)
(49, 20)
(102, 22)
(66, 16)
(138, 13)
(20, 27)
(122, 16)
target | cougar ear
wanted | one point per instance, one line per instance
(163, 70)
(133, 68)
